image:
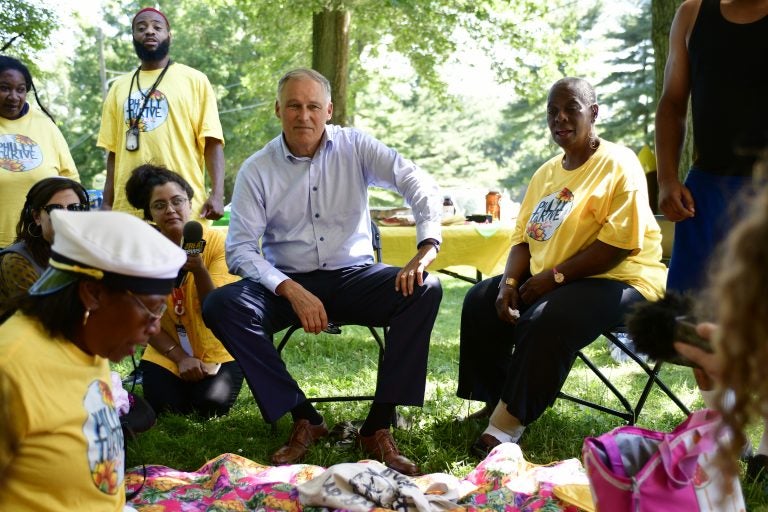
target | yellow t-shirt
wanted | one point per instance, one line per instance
(31, 148)
(205, 345)
(61, 444)
(180, 115)
(605, 199)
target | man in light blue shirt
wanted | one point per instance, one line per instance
(305, 197)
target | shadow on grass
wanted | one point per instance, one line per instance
(346, 364)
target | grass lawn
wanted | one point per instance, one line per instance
(346, 364)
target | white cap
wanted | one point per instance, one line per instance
(114, 247)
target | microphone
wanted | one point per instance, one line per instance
(192, 238)
(192, 243)
(654, 326)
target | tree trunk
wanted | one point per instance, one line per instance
(662, 14)
(330, 56)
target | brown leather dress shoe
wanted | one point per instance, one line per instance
(303, 435)
(483, 446)
(381, 446)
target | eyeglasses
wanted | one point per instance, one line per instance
(153, 315)
(176, 202)
(77, 207)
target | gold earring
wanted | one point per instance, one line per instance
(86, 315)
(38, 231)
(594, 142)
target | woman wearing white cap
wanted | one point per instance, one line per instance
(61, 445)
(185, 367)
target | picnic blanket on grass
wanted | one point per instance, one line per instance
(504, 481)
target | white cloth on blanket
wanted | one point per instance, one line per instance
(361, 486)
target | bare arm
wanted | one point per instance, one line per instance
(190, 368)
(213, 208)
(597, 258)
(109, 184)
(203, 282)
(675, 201)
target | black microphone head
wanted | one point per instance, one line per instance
(193, 232)
(651, 325)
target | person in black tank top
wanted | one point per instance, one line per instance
(718, 51)
(729, 78)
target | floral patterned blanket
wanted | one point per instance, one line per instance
(504, 481)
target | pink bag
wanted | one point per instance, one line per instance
(635, 469)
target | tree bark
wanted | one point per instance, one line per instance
(662, 14)
(330, 56)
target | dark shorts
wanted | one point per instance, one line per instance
(719, 203)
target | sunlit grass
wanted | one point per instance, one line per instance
(346, 364)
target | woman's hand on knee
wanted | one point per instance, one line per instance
(507, 304)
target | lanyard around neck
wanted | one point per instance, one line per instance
(135, 121)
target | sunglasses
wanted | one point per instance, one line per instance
(77, 207)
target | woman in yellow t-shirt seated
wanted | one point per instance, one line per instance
(185, 368)
(585, 248)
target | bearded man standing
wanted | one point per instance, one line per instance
(164, 113)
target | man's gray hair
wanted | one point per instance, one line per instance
(305, 74)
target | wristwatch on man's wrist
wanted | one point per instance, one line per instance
(559, 277)
(431, 241)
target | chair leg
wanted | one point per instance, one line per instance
(292, 329)
(628, 414)
(653, 374)
(632, 413)
(356, 398)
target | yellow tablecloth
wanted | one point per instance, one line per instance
(484, 247)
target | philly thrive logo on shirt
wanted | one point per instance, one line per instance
(104, 437)
(153, 115)
(19, 153)
(549, 214)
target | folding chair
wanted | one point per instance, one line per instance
(629, 412)
(335, 328)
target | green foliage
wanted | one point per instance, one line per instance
(444, 138)
(536, 55)
(244, 57)
(35, 21)
(631, 100)
(238, 57)
(521, 141)
(435, 438)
